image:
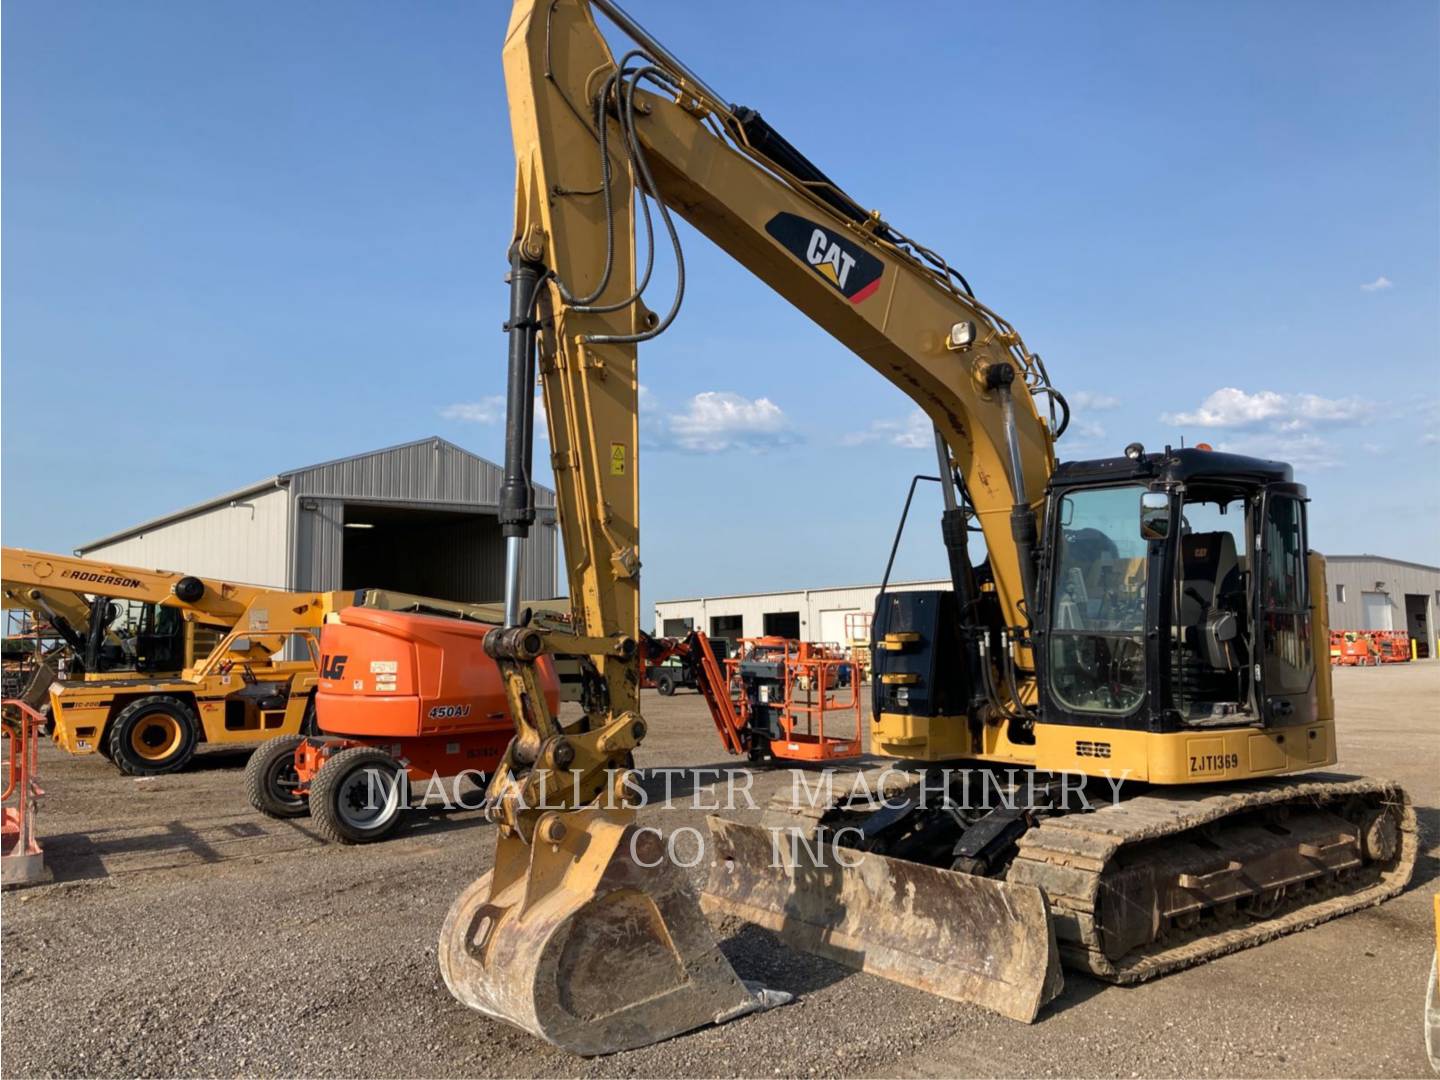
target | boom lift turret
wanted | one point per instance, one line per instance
(1154, 617)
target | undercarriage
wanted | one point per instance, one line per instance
(1136, 883)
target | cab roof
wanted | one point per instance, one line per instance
(1186, 465)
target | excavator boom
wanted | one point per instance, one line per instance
(590, 136)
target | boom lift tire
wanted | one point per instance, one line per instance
(355, 798)
(271, 780)
(665, 683)
(152, 736)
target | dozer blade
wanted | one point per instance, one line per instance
(595, 943)
(961, 937)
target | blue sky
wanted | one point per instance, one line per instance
(239, 238)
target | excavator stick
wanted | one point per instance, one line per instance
(593, 940)
(962, 937)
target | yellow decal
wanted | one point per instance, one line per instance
(617, 459)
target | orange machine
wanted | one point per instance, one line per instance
(1392, 645)
(1369, 648)
(403, 698)
(771, 701)
(1350, 648)
(22, 862)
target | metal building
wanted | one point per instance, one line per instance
(1372, 592)
(830, 615)
(418, 518)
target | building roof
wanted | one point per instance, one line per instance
(1382, 559)
(390, 474)
(936, 582)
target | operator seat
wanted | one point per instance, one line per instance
(1209, 571)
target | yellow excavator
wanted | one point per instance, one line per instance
(1141, 650)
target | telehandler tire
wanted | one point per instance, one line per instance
(270, 779)
(359, 796)
(152, 736)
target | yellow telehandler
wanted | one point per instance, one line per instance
(159, 661)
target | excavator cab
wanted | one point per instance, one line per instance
(1178, 595)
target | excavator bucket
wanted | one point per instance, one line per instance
(961, 937)
(594, 942)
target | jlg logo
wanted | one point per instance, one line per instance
(332, 667)
(841, 262)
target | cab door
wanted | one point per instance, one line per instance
(1285, 661)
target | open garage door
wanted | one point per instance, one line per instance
(784, 624)
(447, 555)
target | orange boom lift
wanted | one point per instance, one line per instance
(403, 698)
(771, 701)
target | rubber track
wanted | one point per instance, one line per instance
(1067, 857)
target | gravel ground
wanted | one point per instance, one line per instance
(187, 935)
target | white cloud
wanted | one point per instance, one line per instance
(711, 422)
(1081, 435)
(488, 410)
(913, 431)
(1282, 427)
(1229, 407)
(491, 410)
(718, 420)
(1090, 399)
(1304, 450)
(1381, 282)
(1428, 410)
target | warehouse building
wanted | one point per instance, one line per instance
(1371, 592)
(838, 616)
(418, 518)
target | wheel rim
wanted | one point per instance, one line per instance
(368, 798)
(156, 736)
(283, 781)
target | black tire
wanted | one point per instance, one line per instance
(343, 796)
(308, 724)
(152, 736)
(102, 747)
(665, 683)
(270, 779)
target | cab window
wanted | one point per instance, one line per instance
(1097, 636)
(1285, 598)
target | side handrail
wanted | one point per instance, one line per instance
(20, 740)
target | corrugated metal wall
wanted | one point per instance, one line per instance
(244, 541)
(293, 536)
(319, 544)
(1387, 582)
(431, 474)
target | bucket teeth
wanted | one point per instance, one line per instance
(596, 943)
(961, 937)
